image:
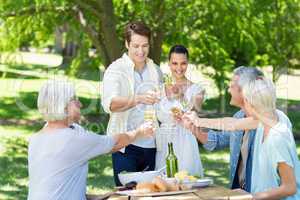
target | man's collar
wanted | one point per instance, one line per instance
(131, 63)
(128, 59)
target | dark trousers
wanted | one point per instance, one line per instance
(133, 160)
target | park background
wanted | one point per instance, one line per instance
(77, 40)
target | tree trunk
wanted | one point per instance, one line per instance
(274, 74)
(69, 52)
(158, 31)
(58, 48)
(155, 52)
(111, 46)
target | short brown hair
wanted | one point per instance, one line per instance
(138, 28)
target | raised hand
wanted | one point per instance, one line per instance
(149, 98)
(197, 101)
(174, 91)
(192, 117)
(146, 130)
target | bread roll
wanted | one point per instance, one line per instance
(183, 187)
(161, 184)
(147, 187)
(173, 187)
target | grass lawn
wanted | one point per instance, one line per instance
(14, 175)
(19, 119)
(19, 125)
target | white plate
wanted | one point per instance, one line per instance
(198, 183)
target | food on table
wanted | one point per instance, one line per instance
(173, 187)
(158, 184)
(147, 187)
(131, 185)
(184, 176)
(161, 184)
(182, 181)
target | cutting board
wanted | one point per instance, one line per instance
(135, 193)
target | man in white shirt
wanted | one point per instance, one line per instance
(128, 86)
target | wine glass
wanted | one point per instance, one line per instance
(149, 115)
(186, 104)
(160, 91)
(167, 79)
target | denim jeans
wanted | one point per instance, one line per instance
(133, 160)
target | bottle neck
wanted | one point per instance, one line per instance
(171, 151)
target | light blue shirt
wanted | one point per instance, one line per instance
(58, 162)
(279, 146)
(142, 84)
(233, 139)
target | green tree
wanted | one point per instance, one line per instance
(220, 38)
(277, 34)
(95, 23)
(220, 34)
(227, 34)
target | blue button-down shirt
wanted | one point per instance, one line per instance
(233, 139)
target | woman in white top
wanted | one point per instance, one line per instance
(182, 94)
(58, 154)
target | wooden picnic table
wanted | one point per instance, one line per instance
(208, 193)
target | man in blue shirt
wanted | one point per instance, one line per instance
(240, 144)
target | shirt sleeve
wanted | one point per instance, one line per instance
(110, 89)
(217, 140)
(220, 139)
(281, 150)
(85, 145)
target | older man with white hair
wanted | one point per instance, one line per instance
(233, 135)
(275, 166)
(58, 154)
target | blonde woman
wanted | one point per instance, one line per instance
(58, 154)
(276, 167)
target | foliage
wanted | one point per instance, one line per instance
(278, 33)
(220, 34)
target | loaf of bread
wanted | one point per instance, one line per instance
(147, 187)
(173, 187)
(161, 184)
(158, 185)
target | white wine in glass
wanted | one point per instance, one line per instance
(187, 106)
(149, 115)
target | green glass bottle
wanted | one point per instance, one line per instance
(171, 161)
